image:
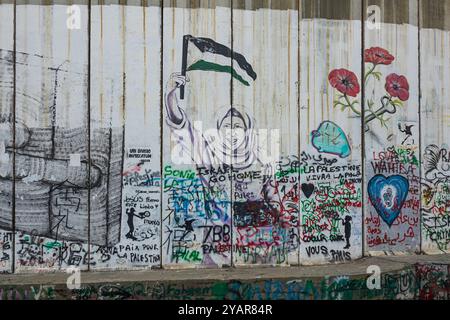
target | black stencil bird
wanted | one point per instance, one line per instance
(407, 131)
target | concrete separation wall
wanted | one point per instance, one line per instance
(175, 134)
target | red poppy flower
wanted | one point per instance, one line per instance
(345, 81)
(378, 55)
(397, 86)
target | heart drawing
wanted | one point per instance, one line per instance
(388, 196)
(308, 189)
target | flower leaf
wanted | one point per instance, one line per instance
(384, 122)
(377, 75)
(370, 105)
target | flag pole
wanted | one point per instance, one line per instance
(184, 62)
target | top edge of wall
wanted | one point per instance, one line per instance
(331, 9)
(396, 11)
(433, 13)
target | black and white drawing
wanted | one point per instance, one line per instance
(54, 169)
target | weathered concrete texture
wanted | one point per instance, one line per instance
(399, 11)
(331, 9)
(434, 13)
(407, 277)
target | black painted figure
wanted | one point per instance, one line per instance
(347, 230)
(130, 222)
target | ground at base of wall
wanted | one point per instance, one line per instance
(374, 278)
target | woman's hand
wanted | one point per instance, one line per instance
(176, 80)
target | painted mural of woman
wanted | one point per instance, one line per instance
(233, 143)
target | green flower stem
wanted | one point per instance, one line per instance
(351, 105)
(338, 103)
(366, 77)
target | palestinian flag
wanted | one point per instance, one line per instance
(205, 54)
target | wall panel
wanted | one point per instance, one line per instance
(266, 188)
(197, 176)
(435, 125)
(52, 166)
(392, 211)
(330, 133)
(125, 135)
(6, 135)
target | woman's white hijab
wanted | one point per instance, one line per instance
(246, 153)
